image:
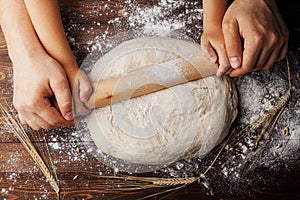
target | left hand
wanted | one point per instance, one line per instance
(255, 35)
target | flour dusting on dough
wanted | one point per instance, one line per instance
(159, 128)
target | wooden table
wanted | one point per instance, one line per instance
(87, 24)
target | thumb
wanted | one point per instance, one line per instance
(62, 93)
(85, 88)
(82, 90)
(232, 42)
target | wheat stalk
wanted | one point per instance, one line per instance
(22, 136)
(154, 180)
(271, 117)
(133, 183)
(174, 181)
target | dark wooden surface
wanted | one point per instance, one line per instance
(20, 178)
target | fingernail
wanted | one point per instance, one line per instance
(84, 98)
(212, 59)
(235, 62)
(68, 116)
(218, 73)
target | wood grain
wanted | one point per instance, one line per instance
(21, 179)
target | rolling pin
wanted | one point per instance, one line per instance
(149, 79)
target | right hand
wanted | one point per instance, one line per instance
(255, 35)
(37, 78)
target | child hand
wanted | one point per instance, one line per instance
(46, 20)
(213, 45)
(81, 90)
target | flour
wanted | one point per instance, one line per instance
(160, 17)
(257, 93)
(164, 126)
(165, 18)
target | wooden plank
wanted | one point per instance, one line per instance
(89, 188)
(65, 159)
(65, 134)
(20, 176)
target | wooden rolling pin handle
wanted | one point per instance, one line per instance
(116, 89)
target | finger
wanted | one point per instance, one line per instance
(32, 123)
(263, 58)
(224, 65)
(284, 36)
(77, 104)
(63, 97)
(209, 51)
(272, 59)
(41, 122)
(280, 47)
(85, 91)
(232, 42)
(53, 117)
(272, 45)
(35, 121)
(85, 88)
(21, 118)
(79, 107)
(250, 55)
(283, 51)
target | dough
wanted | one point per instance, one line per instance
(162, 127)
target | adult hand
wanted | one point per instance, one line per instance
(38, 75)
(37, 78)
(255, 35)
(46, 20)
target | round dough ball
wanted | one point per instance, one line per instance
(162, 127)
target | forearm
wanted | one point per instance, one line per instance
(46, 19)
(214, 11)
(19, 33)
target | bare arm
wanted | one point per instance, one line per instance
(37, 76)
(212, 40)
(46, 19)
(214, 11)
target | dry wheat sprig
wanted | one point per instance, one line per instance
(142, 183)
(270, 119)
(168, 191)
(22, 136)
(154, 180)
(272, 116)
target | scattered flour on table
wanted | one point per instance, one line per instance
(256, 95)
(258, 92)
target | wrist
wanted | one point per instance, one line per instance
(19, 48)
(19, 33)
(213, 25)
(71, 68)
